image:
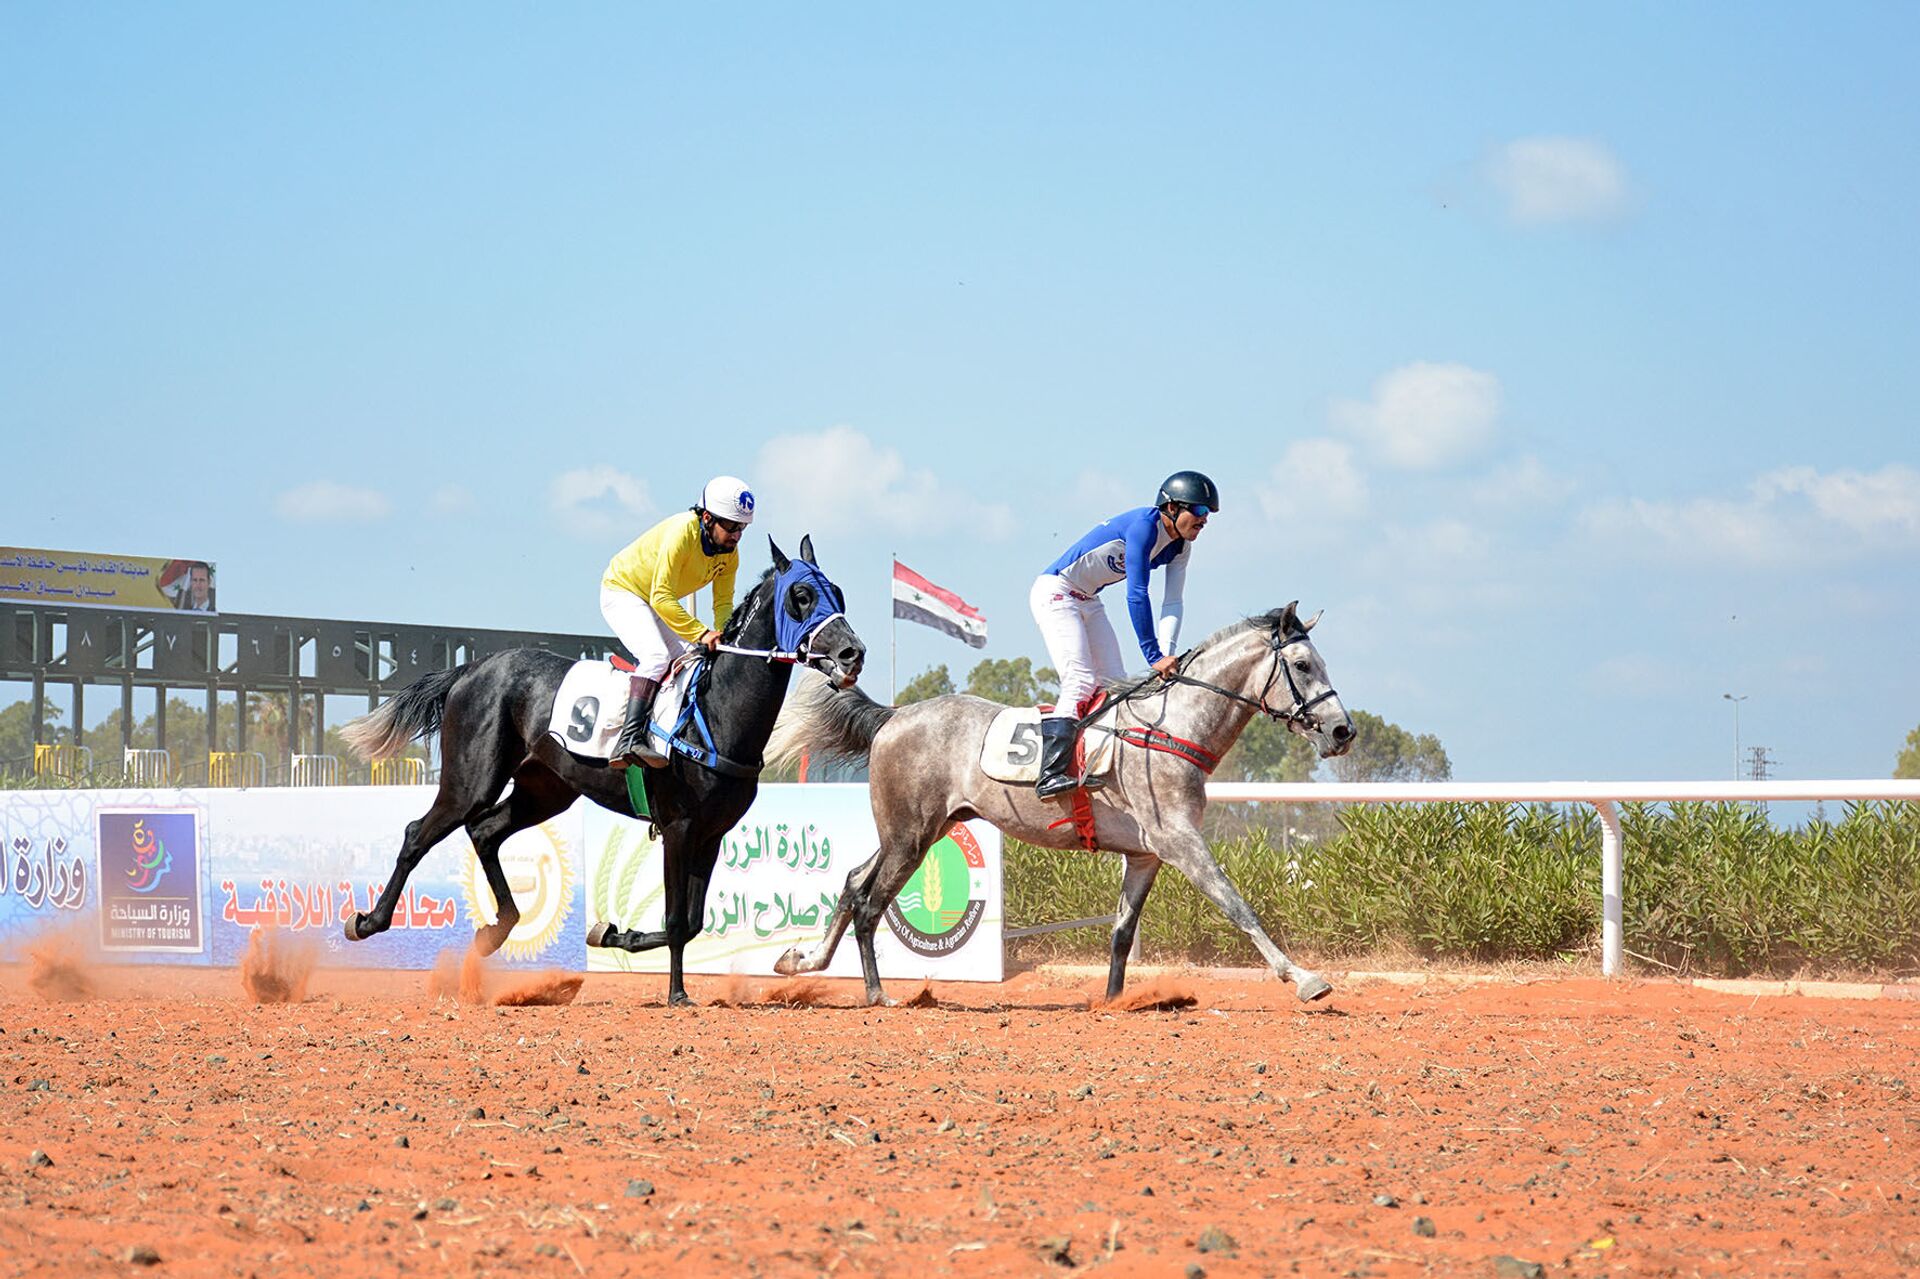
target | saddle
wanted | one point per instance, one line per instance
(590, 708)
(1011, 751)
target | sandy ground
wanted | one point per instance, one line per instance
(367, 1126)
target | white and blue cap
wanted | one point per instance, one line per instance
(728, 497)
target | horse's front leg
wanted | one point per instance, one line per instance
(796, 961)
(1186, 850)
(1142, 870)
(683, 927)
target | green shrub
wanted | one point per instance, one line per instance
(1710, 888)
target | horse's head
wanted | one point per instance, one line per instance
(1297, 691)
(809, 617)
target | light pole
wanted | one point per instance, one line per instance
(1736, 730)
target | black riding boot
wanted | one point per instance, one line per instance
(1056, 757)
(632, 748)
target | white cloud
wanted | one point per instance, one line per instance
(1524, 483)
(600, 502)
(1314, 478)
(1425, 415)
(324, 502)
(1881, 507)
(839, 480)
(451, 499)
(1547, 180)
(1099, 494)
(1637, 675)
(1441, 541)
(1792, 516)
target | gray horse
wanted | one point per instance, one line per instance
(925, 774)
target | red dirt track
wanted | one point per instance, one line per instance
(1590, 1127)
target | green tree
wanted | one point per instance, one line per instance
(16, 733)
(1386, 752)
(1013, 682)
(930, 683)
(1908, 764)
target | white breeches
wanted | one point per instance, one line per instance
(1079, 639)
(653, 646)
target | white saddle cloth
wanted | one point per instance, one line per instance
(1011, 752)
(591, 707)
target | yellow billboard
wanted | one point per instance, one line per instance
(79, 579)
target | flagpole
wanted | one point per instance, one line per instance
(893, 628)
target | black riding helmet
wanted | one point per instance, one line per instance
(1189, 488)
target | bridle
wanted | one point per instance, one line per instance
(1298, 714)
(802, 654)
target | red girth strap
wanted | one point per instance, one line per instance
(1155, 739)
(1082, 819)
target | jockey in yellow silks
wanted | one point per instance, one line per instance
(641, 591)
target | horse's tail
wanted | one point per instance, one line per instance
(826, 722)
(414, 711)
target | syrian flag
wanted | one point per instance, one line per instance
(918, 600)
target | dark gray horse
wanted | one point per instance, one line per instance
(492, 718)
(925, 774)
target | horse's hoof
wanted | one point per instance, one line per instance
(492, 937)
(884, 1001)
(597, 935)
(679, 999)
(353, 927)
(789, 964)
(1310, 986)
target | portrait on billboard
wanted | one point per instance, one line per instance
(189, 584)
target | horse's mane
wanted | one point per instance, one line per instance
(736, 624)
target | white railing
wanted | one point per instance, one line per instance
(148, 767)
(1602, 795)
(315, 770)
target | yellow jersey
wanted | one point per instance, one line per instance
(666, 564)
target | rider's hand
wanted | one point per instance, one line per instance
(1165, 667)
(711, 640)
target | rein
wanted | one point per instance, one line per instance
(692, 714)
(1298, 713)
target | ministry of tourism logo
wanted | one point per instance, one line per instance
(151, 861)
(940, 907)
(150, 890)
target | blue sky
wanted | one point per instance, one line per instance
(1566, 359)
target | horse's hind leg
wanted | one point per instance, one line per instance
(450, 808)
(475, 765)
(1142, 870)
(795, 960)
(1187, 851)
(538, 793)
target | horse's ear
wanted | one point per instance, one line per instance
(1290, 618)
(780, 562)
(806, 549)
(1308, 624)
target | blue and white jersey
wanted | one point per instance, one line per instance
(1131, 546)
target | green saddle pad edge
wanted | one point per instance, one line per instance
(637, 791)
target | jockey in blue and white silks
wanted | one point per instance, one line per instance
(1080, 639)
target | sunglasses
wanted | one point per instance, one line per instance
(730, 526)
(1200, 510)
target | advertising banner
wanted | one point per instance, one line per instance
(54, 872)
(304, 859)
(777, 884)
(187, 876)
(78, 579)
